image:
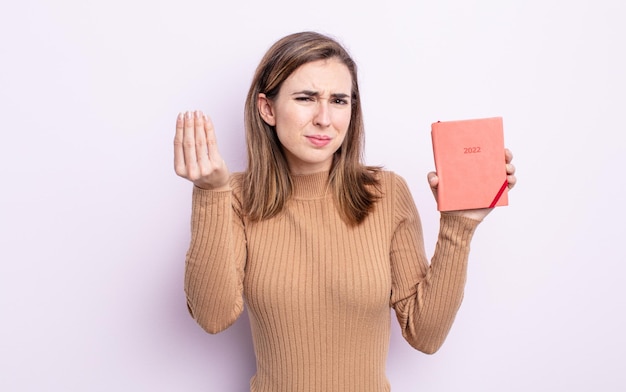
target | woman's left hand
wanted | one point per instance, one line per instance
(478, 214)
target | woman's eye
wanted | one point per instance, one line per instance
(341, 101)
(304, 99)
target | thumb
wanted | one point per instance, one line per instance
(433, 182)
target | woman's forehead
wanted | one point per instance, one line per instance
(329, 75)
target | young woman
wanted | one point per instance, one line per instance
(316, 244)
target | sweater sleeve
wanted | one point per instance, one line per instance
(215, 261)
(426, 297)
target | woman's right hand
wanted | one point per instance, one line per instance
(196, 156)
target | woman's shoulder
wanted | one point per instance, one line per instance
(389, 180)
(393, 188)
(236, 183)
(236, 179)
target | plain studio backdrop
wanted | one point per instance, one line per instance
(94, 223)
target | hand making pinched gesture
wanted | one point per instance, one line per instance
(196, 156)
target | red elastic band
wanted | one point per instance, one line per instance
(500, 192)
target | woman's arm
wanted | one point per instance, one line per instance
(214, 268)
(426, 296)
(215, 260)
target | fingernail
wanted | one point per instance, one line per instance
(188, 115)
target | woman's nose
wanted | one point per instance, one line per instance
(322, 116)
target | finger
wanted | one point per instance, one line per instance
(433, 180)
(211, 141)
(510, 168)
(189, 144)
(512, 180)
(179, 156)
(508, 155)
(200, 138)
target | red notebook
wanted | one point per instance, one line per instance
(469, 159)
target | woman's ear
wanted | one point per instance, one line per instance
(266, 110)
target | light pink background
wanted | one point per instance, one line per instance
(94, 224)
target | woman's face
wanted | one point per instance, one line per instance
(311, 114)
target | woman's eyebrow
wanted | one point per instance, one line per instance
(311, 93)
(340, 95)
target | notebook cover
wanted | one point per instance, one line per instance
(469, 159)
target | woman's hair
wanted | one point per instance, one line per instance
(267, 181)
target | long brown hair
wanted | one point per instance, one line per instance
(267, 181)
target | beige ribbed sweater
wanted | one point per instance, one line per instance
(318, 291)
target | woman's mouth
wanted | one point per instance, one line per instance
(319, 140)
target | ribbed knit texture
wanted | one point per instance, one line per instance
(318, 291)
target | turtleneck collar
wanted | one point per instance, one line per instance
(310, 186)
